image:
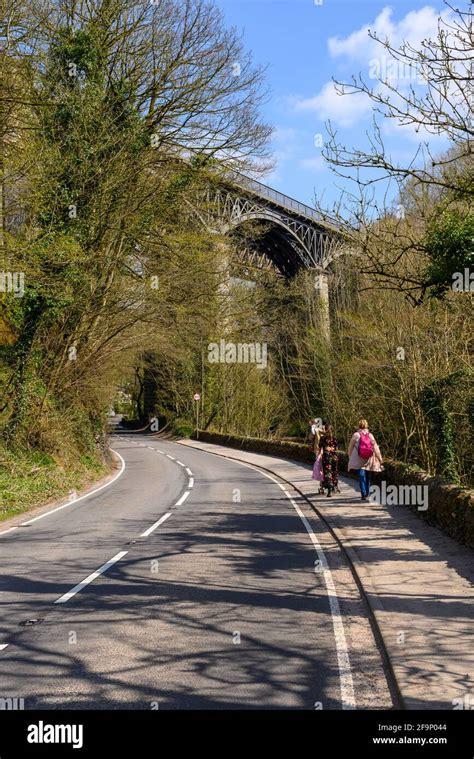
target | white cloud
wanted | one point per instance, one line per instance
(415, 27)
(350, 109)
(343, 110)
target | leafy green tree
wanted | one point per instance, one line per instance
(119, 97)
(449, 243)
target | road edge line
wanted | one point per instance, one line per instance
(82, 497)
(392, 680)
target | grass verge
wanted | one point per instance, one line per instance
(31, 478)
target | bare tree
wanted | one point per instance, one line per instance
(442, 106)
(388, 227)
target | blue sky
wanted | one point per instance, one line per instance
(306, 44)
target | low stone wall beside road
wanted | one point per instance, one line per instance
(450, 508)
(293, 451)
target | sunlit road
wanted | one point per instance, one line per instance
(191, 582)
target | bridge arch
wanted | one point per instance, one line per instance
(296, 238)
(277, 242)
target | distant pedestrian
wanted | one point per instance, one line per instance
(315, 430)
(329, 461)
(364, 457)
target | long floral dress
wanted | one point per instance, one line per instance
(329, 463)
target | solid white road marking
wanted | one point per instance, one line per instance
(154, 526)
(191, 482)
(182, 499)
(91, 578)
(75, 500)
(342, 654)
(344, 665)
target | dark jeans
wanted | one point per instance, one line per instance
(364, 482)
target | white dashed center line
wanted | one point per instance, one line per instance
(157, 524)
(182, 499)
(77, 588)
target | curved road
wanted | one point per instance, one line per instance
(190, 582)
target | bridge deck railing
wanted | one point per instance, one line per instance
(264, 191)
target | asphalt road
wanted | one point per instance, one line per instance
(223, 591)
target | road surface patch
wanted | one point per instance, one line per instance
(9, 530)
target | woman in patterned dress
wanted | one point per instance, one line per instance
(329, 461)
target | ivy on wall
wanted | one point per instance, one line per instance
(435, 404)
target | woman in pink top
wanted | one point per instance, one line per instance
(364, 456)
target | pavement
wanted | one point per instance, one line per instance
(189, 581)
(417, 581)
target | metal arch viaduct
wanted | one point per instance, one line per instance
(295, 237)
